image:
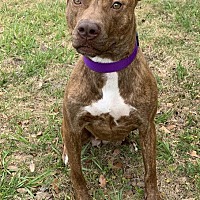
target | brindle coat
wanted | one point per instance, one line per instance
(137, 86)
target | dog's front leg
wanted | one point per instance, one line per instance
(72, 150)
(148, 144)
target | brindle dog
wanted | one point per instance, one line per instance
(108, 106)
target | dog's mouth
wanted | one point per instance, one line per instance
(92, 47)
(91, 50)
(88, 51)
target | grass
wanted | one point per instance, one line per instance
(36, 59)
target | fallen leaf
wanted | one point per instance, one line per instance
(56, 110)
(33, 135)
(102, 181)
(140, 184)
(39, 133)
(165, 130)
(116, 152)
(186, 108)
(40, 84)
(42, 195)
(13, 168)
(95, 142)
(171, 127)
(137, 183)
(182, 180)
(168, 180)
(129, 193)
(22, 190)
(23, 157)
(43, 189)
(128, 175)
(118, 165)
(55, 185)
(169, 104)
(32, 166)
(2, 141)
(194, 154)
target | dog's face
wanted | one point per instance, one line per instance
(102, 28)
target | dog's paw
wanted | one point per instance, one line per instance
(153, 196)
(65, 160)
(65, 156)
(83, 195)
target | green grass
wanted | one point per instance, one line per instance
(36, 59)
(185, 14)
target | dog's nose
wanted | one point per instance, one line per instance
(88, 30)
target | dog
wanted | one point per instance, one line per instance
(111, 91)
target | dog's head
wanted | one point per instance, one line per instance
(104, 28)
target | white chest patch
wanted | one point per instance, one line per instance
(111, 101)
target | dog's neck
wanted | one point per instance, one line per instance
(104, 65)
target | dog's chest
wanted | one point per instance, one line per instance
(111, 102)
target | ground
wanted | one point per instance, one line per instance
(36, 59)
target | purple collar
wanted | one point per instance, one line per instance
(114, 66)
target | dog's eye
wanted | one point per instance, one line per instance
(116, 5)
(77, 2)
